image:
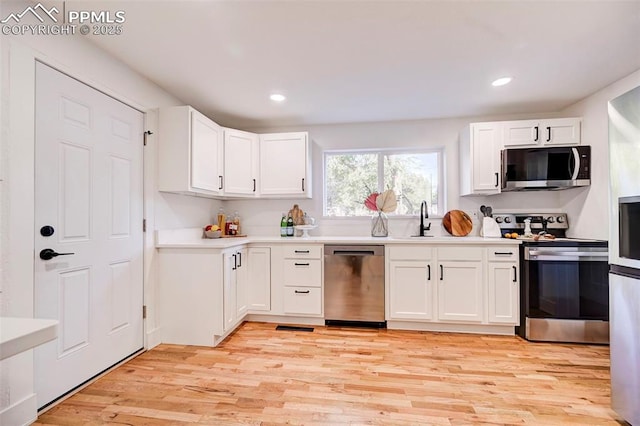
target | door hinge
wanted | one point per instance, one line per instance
(144, 311)
(144, 225)
(144, 138)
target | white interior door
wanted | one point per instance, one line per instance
(88, 189)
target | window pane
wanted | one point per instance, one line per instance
(350, 178)
(414, 178)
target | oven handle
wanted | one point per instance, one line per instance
(593, 256)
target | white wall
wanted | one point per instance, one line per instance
(588, 209)
(84, 61)
(263, 217)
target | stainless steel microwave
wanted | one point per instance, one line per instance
(553, 168)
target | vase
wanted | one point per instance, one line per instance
(379, 225)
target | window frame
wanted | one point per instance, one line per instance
(381, 152)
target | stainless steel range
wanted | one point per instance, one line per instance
(564, 282)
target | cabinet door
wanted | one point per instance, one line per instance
(240, 162)
(560, 131)
(206, 154)
(410, 290)
(460, 291)
(259, 279)
(503, 293)
(242, 294)
(486, 143)
(229, 291)
(284, 164)
(522, 133)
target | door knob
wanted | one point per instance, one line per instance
(48, 254)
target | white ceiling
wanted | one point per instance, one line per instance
(356, 61)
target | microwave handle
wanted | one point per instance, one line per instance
(576, 163)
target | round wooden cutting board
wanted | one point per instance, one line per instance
(457, 223)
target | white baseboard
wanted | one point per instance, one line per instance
(23, 412)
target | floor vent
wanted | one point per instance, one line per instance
(293, 328)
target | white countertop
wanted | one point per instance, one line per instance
(20, 334)
(192, 238)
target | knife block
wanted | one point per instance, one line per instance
(490, 228)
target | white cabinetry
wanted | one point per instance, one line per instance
(503, 285)
(302, 279)
(411, 283)
(240, 163)
(460, 284)
(532, 133)
(235, 287)
(191, 304)
(480, 146)
(259, 279)
(285, 167)
(190, 152)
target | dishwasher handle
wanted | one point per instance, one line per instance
(353, 250)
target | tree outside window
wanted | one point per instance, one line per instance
(414, 176)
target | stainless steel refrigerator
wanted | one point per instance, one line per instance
(624, 254)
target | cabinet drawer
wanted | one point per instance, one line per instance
(508, 254)
(460, 253)
(302, 300)
(302, 272)
(302, 252)
(413, 252)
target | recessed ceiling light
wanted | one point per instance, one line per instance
(501, 81)
(277, 97)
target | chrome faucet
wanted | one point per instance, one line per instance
(424, 214)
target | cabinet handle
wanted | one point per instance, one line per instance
(428, 272)
(548, 134)
(497, 179)
(441, 273)
(537, 135)
(239, 259)
(302, 291)
(254, 185)
(301, 251)
(302, 184)
(301, 264)
(235, 262)
(503, 253)
(515, 274)
(221, 182)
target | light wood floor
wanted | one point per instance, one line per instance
(336, 376)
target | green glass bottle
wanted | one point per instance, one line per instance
(283, 226)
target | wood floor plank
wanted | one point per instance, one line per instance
(339, 376)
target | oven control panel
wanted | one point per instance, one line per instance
(538, 220)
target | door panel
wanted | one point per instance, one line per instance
(88, 187)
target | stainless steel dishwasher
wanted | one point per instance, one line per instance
(354, 285)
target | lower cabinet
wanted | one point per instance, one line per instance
(202, 293)
(302, 280)
(453, 284)
(503, 290)
(235, 287)
(460, 291)
(259, 279)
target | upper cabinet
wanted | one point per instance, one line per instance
(190, 155)
(285, 167)
(240, 163)
(199, 157)
(480, 146)
(532, 133)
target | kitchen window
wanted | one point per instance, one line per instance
(349, 177)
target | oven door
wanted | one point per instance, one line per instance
(564, 294)
(567, 283)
